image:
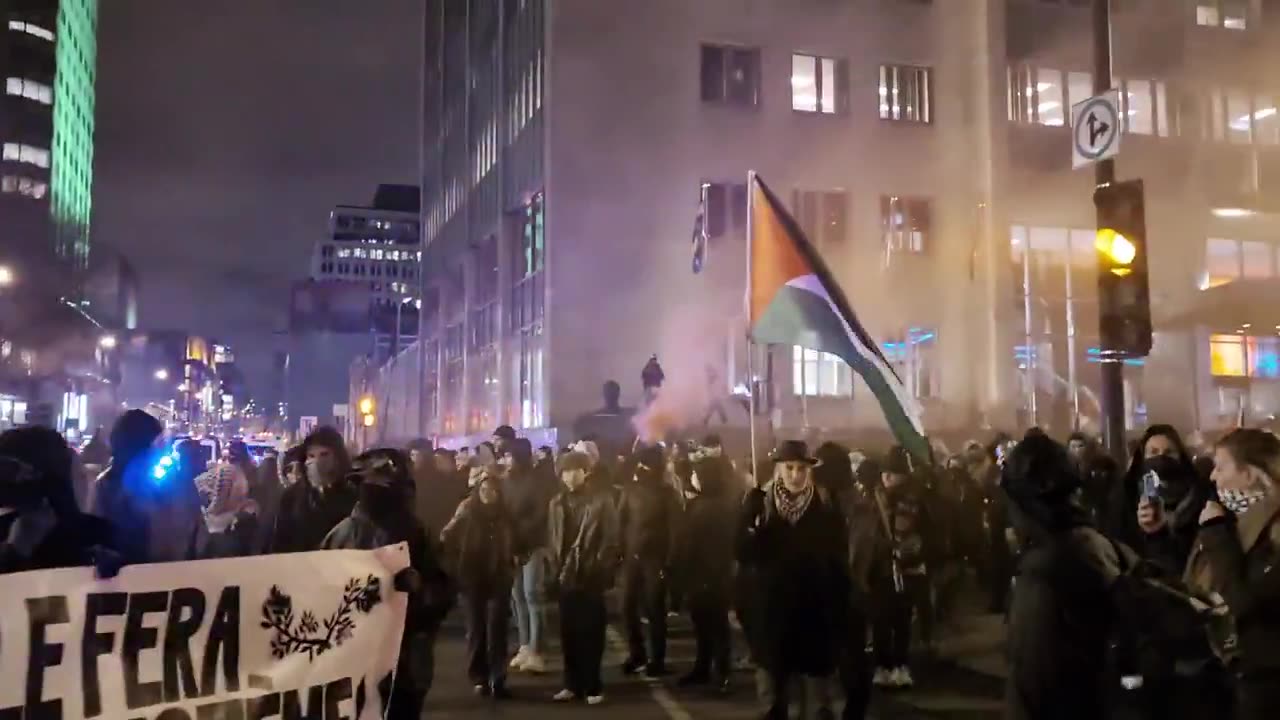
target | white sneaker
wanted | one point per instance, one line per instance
(595, 699)
(564, 696)
(882, 678)
(522, 656)
(534, 664)
(902, 677)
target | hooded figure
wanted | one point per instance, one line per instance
(126, 498)
(704, 562)
(1181, 493)
(41, 527)
(309, 510)
(1062, 612)
(384, 516)
(229, 516)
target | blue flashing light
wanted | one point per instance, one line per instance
(163, 467)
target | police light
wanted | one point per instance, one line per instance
(164, 466)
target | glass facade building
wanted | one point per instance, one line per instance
(71, 186)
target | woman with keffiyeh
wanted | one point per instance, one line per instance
(229, 526)
(792, 536)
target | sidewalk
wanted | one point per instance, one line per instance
(975, 642)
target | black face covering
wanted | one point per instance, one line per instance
(380, 501)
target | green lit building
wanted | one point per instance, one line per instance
(48, 58)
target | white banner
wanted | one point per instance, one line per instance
(308, 636)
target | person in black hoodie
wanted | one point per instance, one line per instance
(121, 494)
(384, 516)
(704, 560)
(527, 495)
(309, 510)
(649, 514)
(480, 544)
(43, 527)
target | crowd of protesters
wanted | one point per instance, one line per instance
(1153, 579)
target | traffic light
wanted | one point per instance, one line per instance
(367, 407)
(1124, 307)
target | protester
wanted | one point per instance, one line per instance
(384, 516)
(483, 462)
(527, 496)
(41, 527)
(309, 510)
(1236, 552)
(704, 561)
(997, 559)
(480, 544)
(121, 494)
(649, 514)
(793, 534)
(1158, 441)
(584, 560)
(1098, 475)
(438, 487)
(230, 521)
(503, 436)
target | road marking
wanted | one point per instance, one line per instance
(657, 690)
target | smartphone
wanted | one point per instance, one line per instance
(1151, 487)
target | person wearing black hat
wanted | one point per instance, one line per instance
(649, 513)
(384, 516)
(792, 534)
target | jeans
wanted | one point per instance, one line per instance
(582, 629)
(526, 600)
(487, 618)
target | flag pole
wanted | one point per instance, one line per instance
(752, 386)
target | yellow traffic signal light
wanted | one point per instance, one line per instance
(366, 406)
(368, 420)
(1119, 249)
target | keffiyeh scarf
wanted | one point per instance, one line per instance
(224, 494)
(1238, 501)
(791, 506)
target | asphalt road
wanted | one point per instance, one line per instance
(942, 691)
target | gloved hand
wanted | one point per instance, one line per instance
(407, 580)
(107, 563)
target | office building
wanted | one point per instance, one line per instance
(925, 148)
(48, 57)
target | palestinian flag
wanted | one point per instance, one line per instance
(793, 300)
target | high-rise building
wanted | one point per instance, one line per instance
(925, 147)
(48, 56)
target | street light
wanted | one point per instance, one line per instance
(162, 374)
(107, 341)
(6, 276)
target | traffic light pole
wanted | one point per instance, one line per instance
(1112, 368)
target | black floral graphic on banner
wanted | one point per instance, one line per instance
(305, 633)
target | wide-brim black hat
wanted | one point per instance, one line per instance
(793, 451)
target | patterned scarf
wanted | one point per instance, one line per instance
(224, 494)
(1238, 501)
(791, 506)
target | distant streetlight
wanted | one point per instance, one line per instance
(162, 374)
(6, 276)
(107, 341)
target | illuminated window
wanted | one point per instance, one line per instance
(1256, 258)
(1264, 357)
(35, 189)
(823, 215)
(818, 374)
(1229, 14)
(905, 93)
(31, 154)
(31, 29)
(1266, 121)
(29, 89)
(906, 223)
(818, 84)
(913, 356)
(1227, 356)
(1050, 98)
(1221, 262)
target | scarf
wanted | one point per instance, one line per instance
(791, 506)
(224, 494)
(1238, 501)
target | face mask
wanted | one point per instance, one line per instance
(379, 501)
(320, 473)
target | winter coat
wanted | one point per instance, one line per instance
(908, 511)
(527, 495)
(427, 607)
(803, 578)
(869, 548)
(306, 515)
(480, 546)
(437, 496)
(1239, 560)
(242, 539)
(705, 552)
(149, 524)
(583, 538)
(69, 542)
(650, 516)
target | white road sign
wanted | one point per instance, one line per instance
(1095, 129)
(306, 424)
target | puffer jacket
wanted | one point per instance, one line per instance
(583, 538)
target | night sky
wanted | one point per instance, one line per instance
(227, 130)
